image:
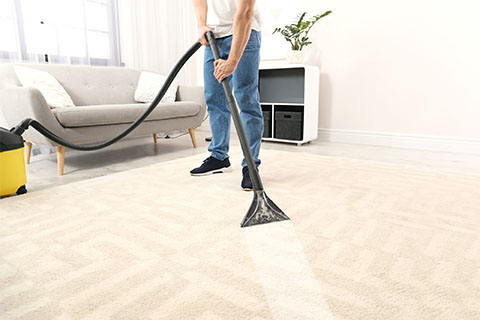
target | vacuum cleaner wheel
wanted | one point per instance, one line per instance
(22, 190)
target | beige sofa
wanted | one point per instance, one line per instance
(104, 106)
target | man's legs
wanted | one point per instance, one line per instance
(245, 86)
(219, 114)
(218, 110)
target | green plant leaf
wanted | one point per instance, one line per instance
(297, 32)
(326, 13)
(300, 19)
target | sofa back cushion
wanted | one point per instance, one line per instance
(53, 92)
(86, 85)
(150, 84)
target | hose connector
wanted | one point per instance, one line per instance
(21, 127)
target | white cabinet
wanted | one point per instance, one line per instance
(289, 94)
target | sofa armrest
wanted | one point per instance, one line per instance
(18, 103)
(191, 93)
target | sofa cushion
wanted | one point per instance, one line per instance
(149, 84)
(53, 92)
(84, 116)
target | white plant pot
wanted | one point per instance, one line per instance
(295, 56)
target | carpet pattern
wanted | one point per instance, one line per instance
(382, 241)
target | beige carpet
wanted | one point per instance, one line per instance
(367, 240)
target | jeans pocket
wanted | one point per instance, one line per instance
(254, 41)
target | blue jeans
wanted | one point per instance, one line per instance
(244, 82)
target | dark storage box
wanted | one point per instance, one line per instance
(289, 125)
(267, 123)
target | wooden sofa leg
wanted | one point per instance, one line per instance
(28, 151)
(155, 138)
(192, 136)
(60, 159)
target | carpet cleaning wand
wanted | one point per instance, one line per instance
(12, 167)
(262, 210)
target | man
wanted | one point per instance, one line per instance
(236, 25)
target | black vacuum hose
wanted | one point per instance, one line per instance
(19, 129)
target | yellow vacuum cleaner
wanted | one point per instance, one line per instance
(12, 164)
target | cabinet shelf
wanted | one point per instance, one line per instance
(289, 94)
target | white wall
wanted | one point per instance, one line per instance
(392, 67)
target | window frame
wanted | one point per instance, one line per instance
(112, 33)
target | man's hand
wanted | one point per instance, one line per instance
(201, 35)
(223, 68)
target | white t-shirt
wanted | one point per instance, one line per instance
(220, 16)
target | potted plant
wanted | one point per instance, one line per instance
(297, 35)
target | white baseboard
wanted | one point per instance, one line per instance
(405, 141)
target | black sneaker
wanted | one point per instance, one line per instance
(246, 181)
(212, 165)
